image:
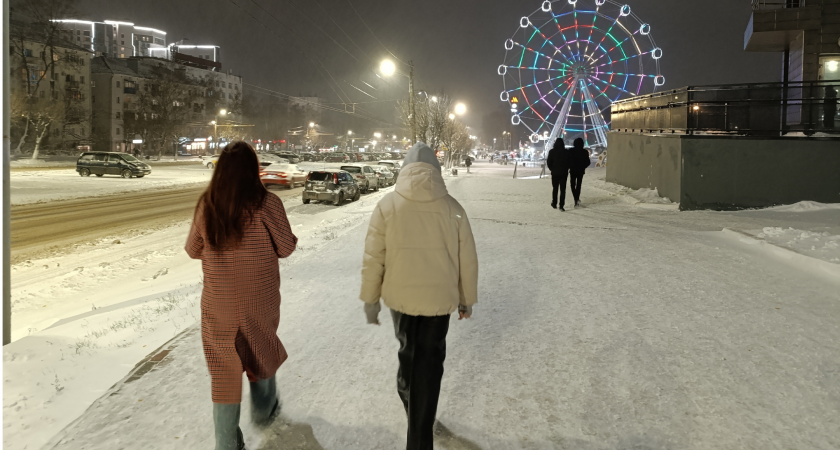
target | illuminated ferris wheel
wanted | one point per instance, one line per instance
(569, 60)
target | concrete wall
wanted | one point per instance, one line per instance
(645, 161)
(727, 172)
(733, 173)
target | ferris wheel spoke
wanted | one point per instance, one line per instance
(524, 48)
(624, 59)
(546, 39)
(627, 74)
(612, 85)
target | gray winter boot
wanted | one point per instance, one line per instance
(264, 402)
(228, 433)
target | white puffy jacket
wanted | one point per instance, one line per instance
(419, 252)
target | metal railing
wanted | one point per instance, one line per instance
(767, 109)
(776, 4)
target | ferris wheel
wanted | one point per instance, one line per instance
(569, 61)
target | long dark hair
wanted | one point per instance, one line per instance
(234, 193)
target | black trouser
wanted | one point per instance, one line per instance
(422, 351)
(576, 180)
(558, 180)
(828, 117)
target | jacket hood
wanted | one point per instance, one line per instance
(421, 152)
(421, 182)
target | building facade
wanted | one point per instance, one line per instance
(56, 97)
(113, 38)
(118, 90)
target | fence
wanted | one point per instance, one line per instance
(769, 109)
(776, 4)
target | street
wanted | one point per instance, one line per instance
(616, 325)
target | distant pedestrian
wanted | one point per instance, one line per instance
(420, 259)
(239, 231)
(558, 162)
(829, 106)
(577, 168)
(468, 163)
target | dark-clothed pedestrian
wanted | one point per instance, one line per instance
(239, 231)
(420, 259)
(468, 163)
(558, 162)
(829, 106)
(580, 160)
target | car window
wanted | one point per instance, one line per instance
(101, 157)
(86, 157)
(318, 176)
(279, 167)
(352, 169)
(346, 177)
(114, 158)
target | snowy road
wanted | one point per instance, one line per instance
(618, 325)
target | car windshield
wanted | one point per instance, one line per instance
(129, 158)
(351, 169)
(319, 176)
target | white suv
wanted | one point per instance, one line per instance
(365, 176)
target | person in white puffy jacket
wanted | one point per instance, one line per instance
(420, 259)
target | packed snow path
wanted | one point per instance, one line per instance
(613, 326)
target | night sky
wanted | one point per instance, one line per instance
(456, 45)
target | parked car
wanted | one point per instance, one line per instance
(293, 158)
(330, 185)
(386, 177)
(311, 157)
(393, 166)
(365, 177)
(111, 163)
(288, 175)
(267, 159)
(337, 157)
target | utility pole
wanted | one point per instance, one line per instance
(411, 102)
(7, 229)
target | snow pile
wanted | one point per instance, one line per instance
(820, 245)
(41, 186)
(806, 206)
(645, 195)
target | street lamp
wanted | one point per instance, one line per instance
(433, 99)
(460, 109)
(451, 116)
(388, 68)
(216, 125)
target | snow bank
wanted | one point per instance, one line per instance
(806, 206)
(40, 186)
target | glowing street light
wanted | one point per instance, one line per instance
(452, 117)
(433, 99)
(460, 109)
(378, 135)
(311, 124)
(387, 68)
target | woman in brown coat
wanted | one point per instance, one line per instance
(239, 231)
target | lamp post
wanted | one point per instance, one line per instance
(349, 133)
(216, 127)
(388, 68)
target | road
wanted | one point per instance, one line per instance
(41, 228)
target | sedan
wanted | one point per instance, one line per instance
(288, 175)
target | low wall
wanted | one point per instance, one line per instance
(727, 172)
(645, 161)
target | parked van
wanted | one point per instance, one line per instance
(111, 163)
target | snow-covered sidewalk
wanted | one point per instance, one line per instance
(615, 325)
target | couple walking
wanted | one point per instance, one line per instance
(563, 162)
(419, 258)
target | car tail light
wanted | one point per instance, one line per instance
(282, 174)
(335, 178)
(262, 174)
(361, 177)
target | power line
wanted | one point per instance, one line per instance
(374, 34)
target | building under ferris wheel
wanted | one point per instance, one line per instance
(569, 61)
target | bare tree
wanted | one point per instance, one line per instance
(170, 95)
(432, 117)
(35, 41)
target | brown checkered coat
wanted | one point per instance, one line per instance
(240, 304)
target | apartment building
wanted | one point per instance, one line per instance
(118, 85)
